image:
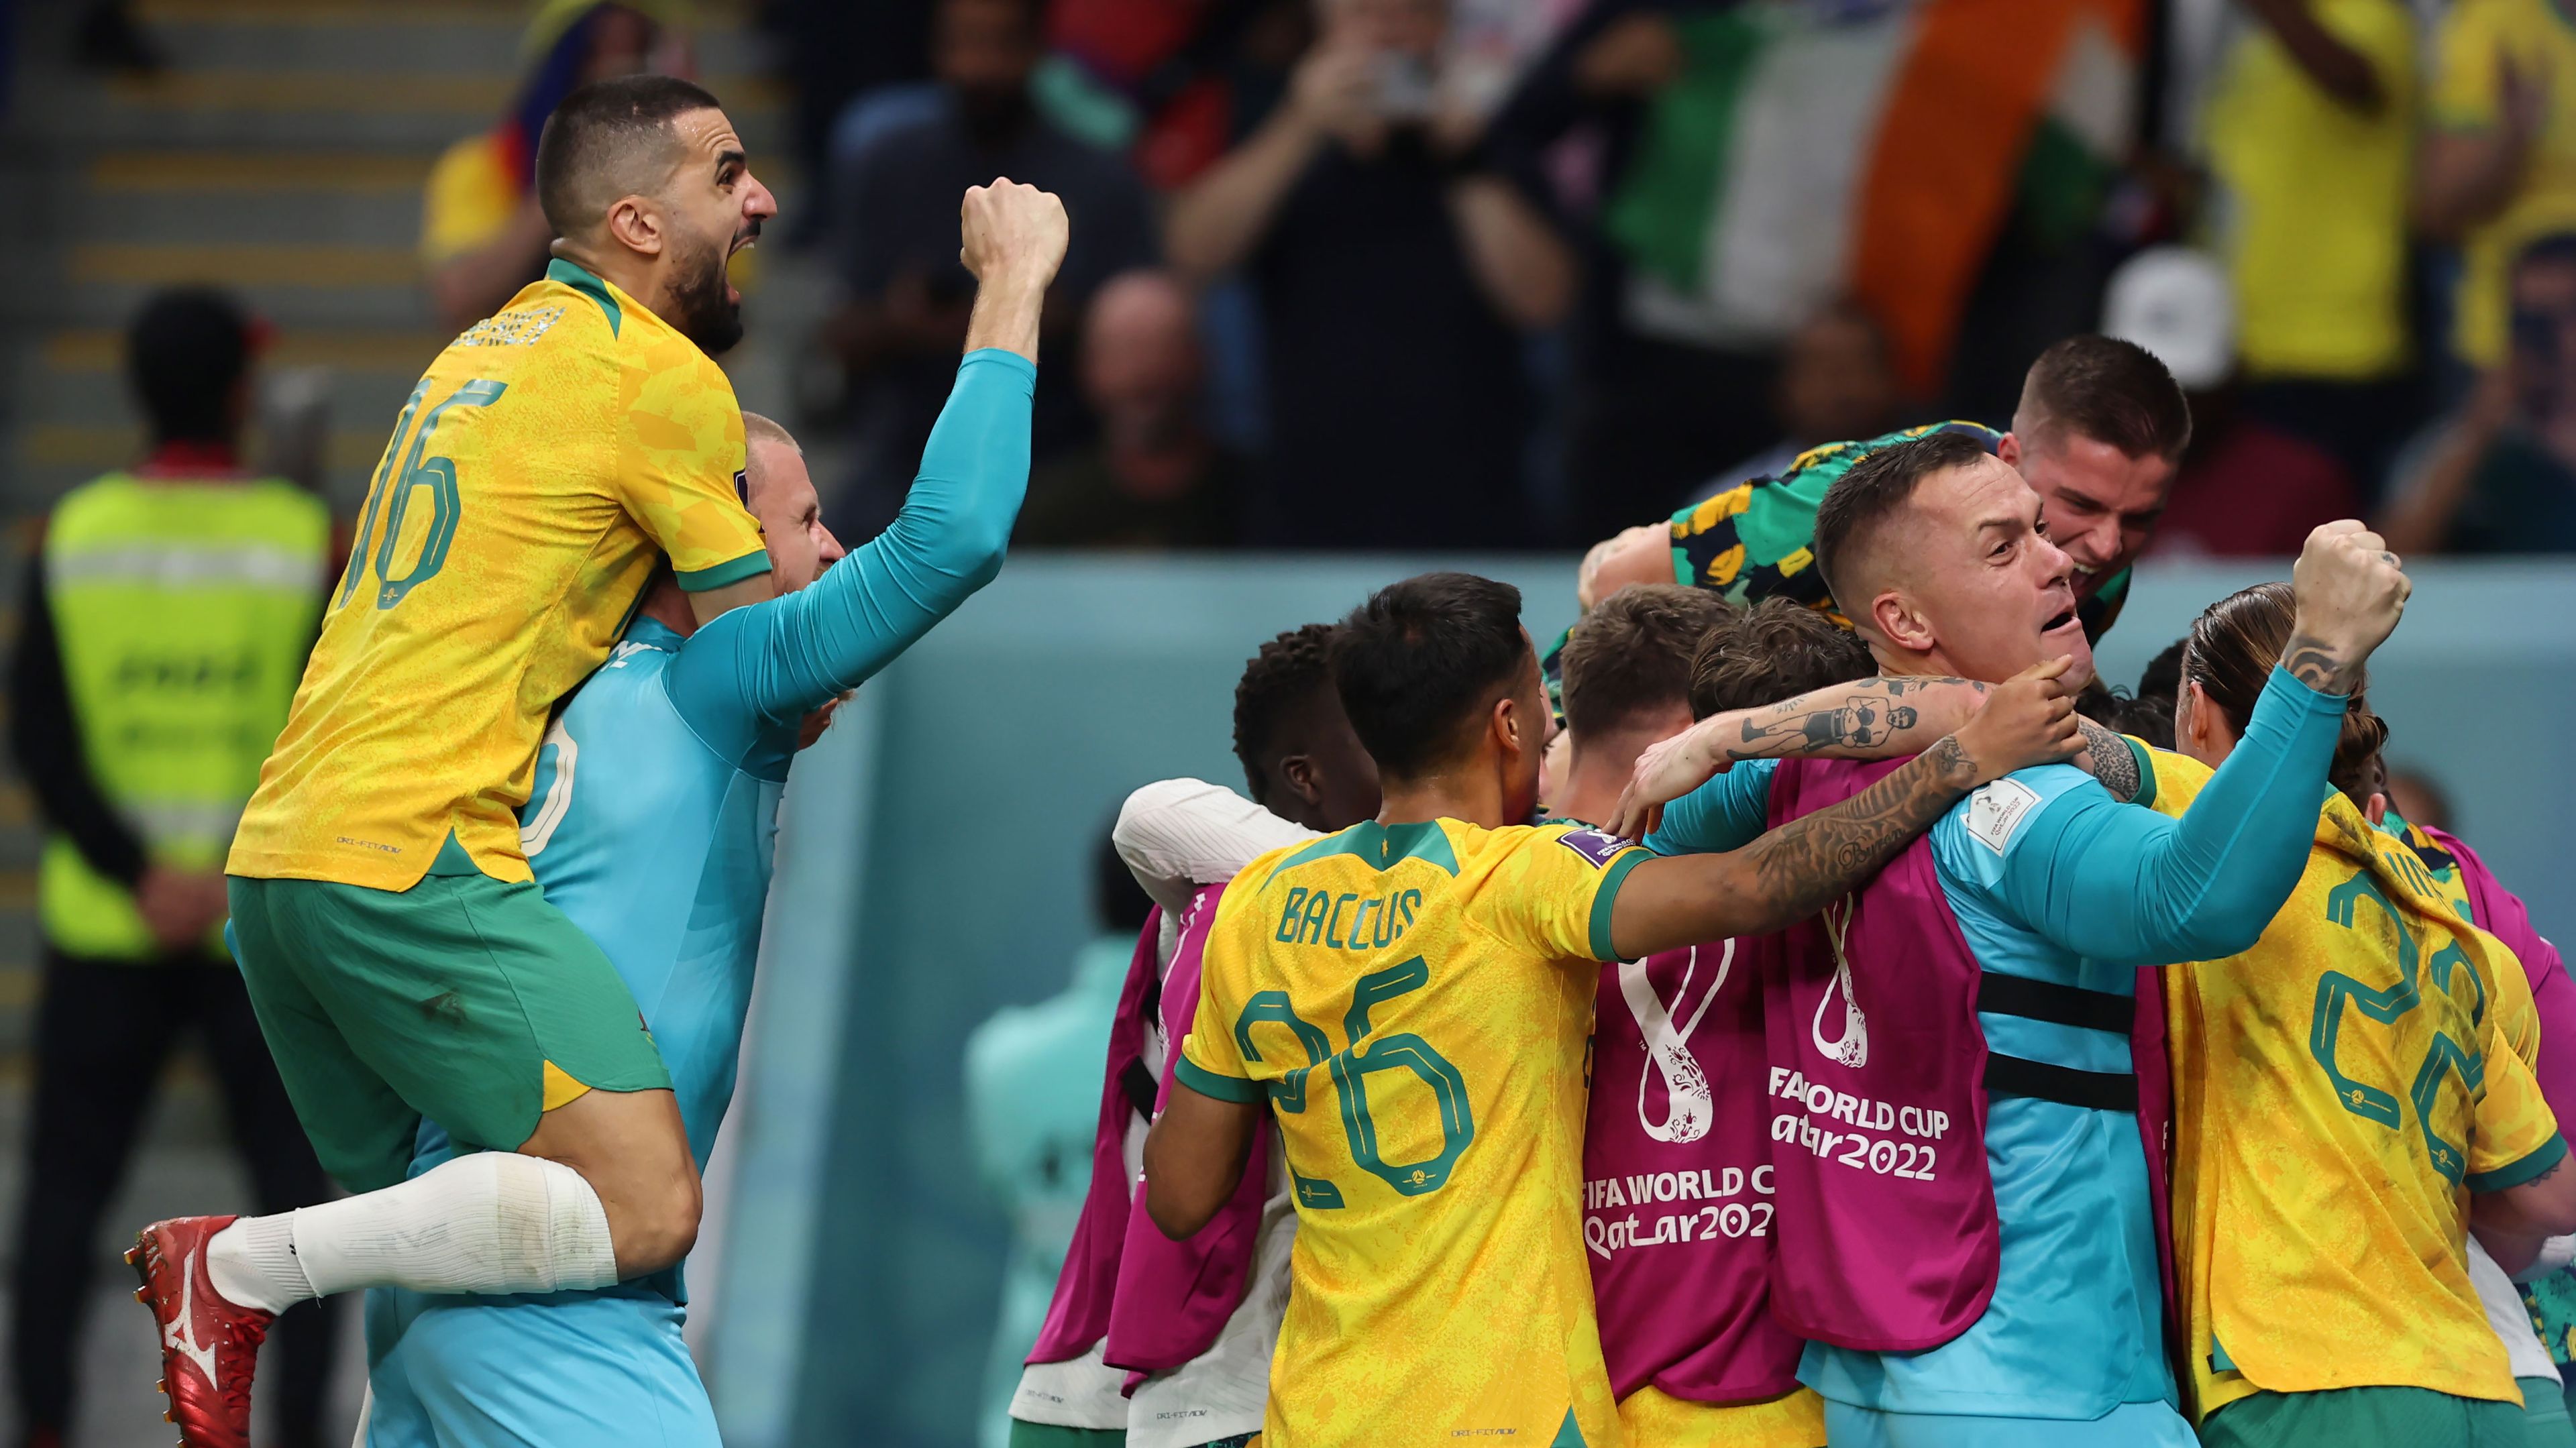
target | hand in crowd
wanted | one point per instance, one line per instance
(1012, 234)
(1335, 91)
(180, 906)
(2028, 721)
(1634, 57)
(2350, 592)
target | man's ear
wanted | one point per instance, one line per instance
(2008, 450)
(635, 224)
(1297, 771)
(1509, 728)
(1899, 622)
(2191, 713)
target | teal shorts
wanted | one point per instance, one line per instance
(465, 999)
(2342, 1417)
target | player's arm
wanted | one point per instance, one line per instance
(1195, 1154)
(708, 604)
(1177, 835)
(806, 648)
(1195, 1151)
(1877, 718)
(2522, 1193)
(1796, 870)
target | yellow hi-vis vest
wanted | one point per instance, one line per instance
(185, 610)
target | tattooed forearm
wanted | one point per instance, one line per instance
(2319, 665)
(2110, 760)
(1801, 867)
(1862, 718)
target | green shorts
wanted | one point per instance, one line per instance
(465, 999)
(2545, 1423)
(2345, 1417)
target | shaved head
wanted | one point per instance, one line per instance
(609, 140)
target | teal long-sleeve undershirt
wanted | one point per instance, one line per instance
(764, 666)
(2129, 886)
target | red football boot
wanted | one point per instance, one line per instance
(209, 1347)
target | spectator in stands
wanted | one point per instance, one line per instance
(2498, 165)
(1737, 167)
(2310, 134)
(904, 316)
(1154, 478)
(163, 630)
(2246, 487)
(1836, 382)
(2501, 477)
(481, 234)
(1395, 275)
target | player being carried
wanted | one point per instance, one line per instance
(1412, 997)
(401, 960)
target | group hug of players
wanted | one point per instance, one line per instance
(1841, 1110)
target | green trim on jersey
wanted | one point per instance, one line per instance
(1208, 1083)
(1381, 847)
(2549, 1154)
(580, 279)
(748, 565)
(2146, 795)
(1611, 880)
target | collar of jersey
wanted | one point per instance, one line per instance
(1380, 846)
(591, 285)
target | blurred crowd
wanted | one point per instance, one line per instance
(1501, 273)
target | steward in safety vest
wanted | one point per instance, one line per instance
(163, 631)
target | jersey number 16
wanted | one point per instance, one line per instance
(392, 494)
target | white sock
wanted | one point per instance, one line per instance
(491, 1222)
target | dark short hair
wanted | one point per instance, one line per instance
(1422, 660)
(187, 351)
(1873, 491)
(1776, 650)
(593, 139)
(2110, 391)
(1284, 676)
(1632, 653)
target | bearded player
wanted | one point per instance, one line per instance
(401, 960)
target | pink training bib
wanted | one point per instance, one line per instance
(1678, 1214)
(1173, 1298)
(1886, 1238)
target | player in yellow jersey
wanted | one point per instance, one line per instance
(400, 958)
(1412, 997)
(2351, 1096)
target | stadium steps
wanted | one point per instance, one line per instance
(281, 154)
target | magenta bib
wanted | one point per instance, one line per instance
(1886, 1238)
(1678, 1213)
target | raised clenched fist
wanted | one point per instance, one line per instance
(1011, 233)
(2350, 592)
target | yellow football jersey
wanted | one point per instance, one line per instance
(545, 458)
(1416, 1002)
(2338, 1091)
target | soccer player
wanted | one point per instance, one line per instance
(398, 954)
(1693, 1351)
(2099, 432)
(1941, 549)
(2340, 1090)
(1413, 995)
(1307, 775)
(651, 826)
